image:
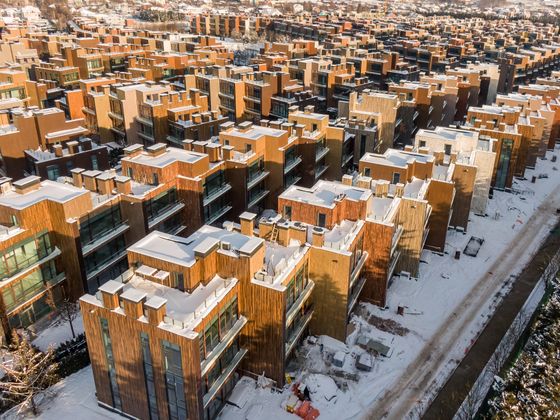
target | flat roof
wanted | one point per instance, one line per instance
(397, 158)
(181, 251)
(170, 156)
(48, 190)
(324, 193)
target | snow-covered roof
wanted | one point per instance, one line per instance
(182, 251)
(170, 156)
(47, 190)
(325, 193)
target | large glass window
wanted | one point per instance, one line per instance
(94, 227)
(161, 203)
(174, 381)
(108, 347)
(218, 327)
(214, 183)
(103, 255)
(24, 254)
(149, 376)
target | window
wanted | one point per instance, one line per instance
(396, 178)
(314, 127)
(363, 139)
(69, 166)
(367, 171)
(53, 172)
(107, 345)
(130, 172)
(422, 143)
(248, 147)
(94, 164)
(149, 376)
(288, 212)
(174, 381)
(211, 335)
(321, 219)
(155, 180)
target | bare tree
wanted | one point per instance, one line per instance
(69, 311)
(27, 373)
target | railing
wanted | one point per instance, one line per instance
(302, 298)
(32, 261)
(106, 263)
(297, 332)
(289, 181)
(222, 379)
(103, 236)
(256, 178)
(320, 170)
(393, 264)
(356, 293)
(256, 198)
(396, 238)
(217, 214)
(321, 152)
(291, 164)
(34, 291)
(218, 293)
(213, 193)
(164, 212)
(214, 355)
(358, 268)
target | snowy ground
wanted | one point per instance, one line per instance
(430, 301)
(57, 332)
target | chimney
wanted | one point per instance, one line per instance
(5, 185)
(288, 127)
(309, 109)
(215, 115)
(124, 184)
(408, 148)
(72, 147)
(227, 126)
(264, 123)
(86, 144)
(77, 177)
(57, 150)
(213, 151)
(105, 183)
(364, 182)
(133, 302)
(199, 146)
(227, 152)
(245, 126)
(196, 118)
(247, 221)
(28, 184)
(318, 236)
(206, 117)
(299, 130)
(157, 149)
(155, 309)
(187, 144)
(110, 292)
(399, 189)
(90, 181)
(347, 180)
(133, 150)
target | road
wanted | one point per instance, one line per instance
(398, 402)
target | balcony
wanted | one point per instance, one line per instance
(346, 159)
(26, 266)
(320, 170)
(102, 238)
(256, 198)
(144, 120)
(396, 238)
(108, 262)
(215, 354)
(35, 291)
(217, 214)
(297, 332)
(321, 152)
(163, 213)
(392, 264)
(353, 298)
(291, 180)
(358, 268)
(290, 164)
(215, 193)
(116, 116)
(222, 379)
(298, 303)
(256, 178)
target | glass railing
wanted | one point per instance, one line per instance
(296, 330)
(35, 290)
(291, 163)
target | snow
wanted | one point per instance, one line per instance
(58, 332)
(430, 302)
(73, 396)
(325, 193)
(47, 190)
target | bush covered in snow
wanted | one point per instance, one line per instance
(532, 386)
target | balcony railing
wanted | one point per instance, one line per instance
(291, 164)
(254, 199)
(28, 264)
(217, 214)
(321, 152)
(106, 263)
(222, 379)
(298, 303)
(320, 170)
(358, 268)
(291, 180)
(164, 212)
(256, 178)
(297, 332)
(103, 237)
(346, 159)
(353, 299)
(215, 354)
(393, 264)
(34, 291)
(213, 193)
